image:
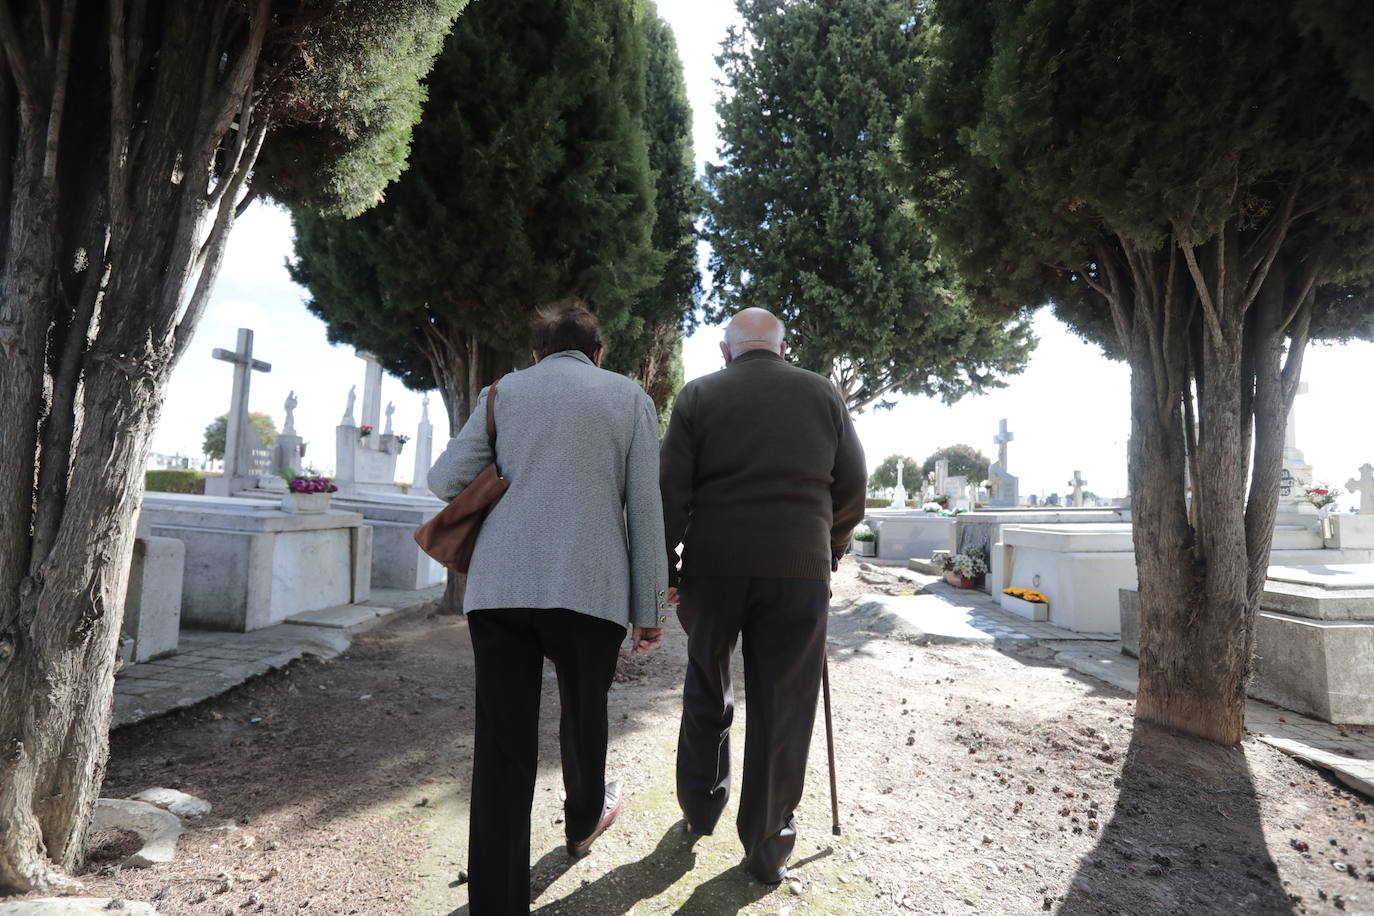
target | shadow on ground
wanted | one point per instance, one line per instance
(1186, 808)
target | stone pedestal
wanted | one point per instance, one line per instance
(397, 561)
(249, 565)
(983, 528)
(904, 535)
(1080, 568)
(1314, 642)
(1351, 532)
(152, 605)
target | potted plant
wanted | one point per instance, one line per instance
(963, 570)
(307, 492)
(864, 541)
(1027, 602)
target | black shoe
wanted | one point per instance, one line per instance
(770, 874)
(609, 812)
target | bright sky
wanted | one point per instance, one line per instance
(1069, 411)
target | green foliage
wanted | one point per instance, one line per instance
(886, 474)
(880, 502)
(1155, 126)
(174, 481)
(964, 461)
(805, 221)
(528, 181)
(345, 106)
(213, 443)
(650, 346)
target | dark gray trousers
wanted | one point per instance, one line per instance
(782, 624)
(509, 647)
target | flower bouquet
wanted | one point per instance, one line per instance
(308, 492)
(864, 541)
(963, 570)
(1027, 602)
(364, 432)
(1321, 496)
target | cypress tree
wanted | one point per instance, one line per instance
(804, 220)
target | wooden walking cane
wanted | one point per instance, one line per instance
(830, 746)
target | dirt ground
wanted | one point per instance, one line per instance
(970, 781)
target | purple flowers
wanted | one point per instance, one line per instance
(312, 485)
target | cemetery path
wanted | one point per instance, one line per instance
(971, 781)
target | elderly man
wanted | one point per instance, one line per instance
(763, 480)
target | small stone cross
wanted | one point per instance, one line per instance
(1077, 484)
(1002, 438)
(1365, 487)
(244, 366)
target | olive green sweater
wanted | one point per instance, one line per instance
(761, 471)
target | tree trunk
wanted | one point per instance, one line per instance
(106, 268)
(1201, 578)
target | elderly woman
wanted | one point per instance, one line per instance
(570, 556)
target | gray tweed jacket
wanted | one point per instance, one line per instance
(581, 526)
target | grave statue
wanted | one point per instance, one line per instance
(348, 411)
(290, 428)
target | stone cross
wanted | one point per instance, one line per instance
(1365, 487)
(1077, 484)
(244, 366)
(1002, 438)
(899, 494)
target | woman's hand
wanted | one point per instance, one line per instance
(645, 639)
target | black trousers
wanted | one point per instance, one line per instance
(782, 622)
(509, 647)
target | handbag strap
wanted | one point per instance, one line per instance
(491, 426)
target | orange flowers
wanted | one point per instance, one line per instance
(1026, 594)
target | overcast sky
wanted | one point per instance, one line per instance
(1069, 411)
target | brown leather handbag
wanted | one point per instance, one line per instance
(451, 535)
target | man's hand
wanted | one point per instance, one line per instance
(645, 639)
(673, 595)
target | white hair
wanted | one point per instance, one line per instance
(738, 343)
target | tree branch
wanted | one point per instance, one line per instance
(216, 242)
(220, 113)
(15, 56)
(1209, 307)
(121, 108)
(60, 70)
(1261, 270)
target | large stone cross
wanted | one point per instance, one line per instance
(1002, 438)
(1077, 484)
(237, 421)
(1364, 486)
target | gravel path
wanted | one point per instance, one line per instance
(971, 781)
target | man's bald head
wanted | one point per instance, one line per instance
(753, 329)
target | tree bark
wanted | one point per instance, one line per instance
(1201, 577)
(104, 263)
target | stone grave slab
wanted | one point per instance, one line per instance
(250, 565)
(904, 534)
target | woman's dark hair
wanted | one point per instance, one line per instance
(564, 325)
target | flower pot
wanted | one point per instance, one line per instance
(1031, 610)
(958, 581)
(864, 548)
(305, 503)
